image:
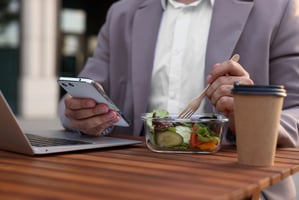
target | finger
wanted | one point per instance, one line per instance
(221, 91)
(95, 131)
(94, 124)
(228, 67)
(95, 121)
(98, 130)
(78, 103)
(226, 83)
(99, 86)
(99, 109)
(225, 105)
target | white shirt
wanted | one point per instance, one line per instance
(178, 72)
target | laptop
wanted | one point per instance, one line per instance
(13, 138)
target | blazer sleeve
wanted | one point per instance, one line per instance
(95, 68)
(284, 70)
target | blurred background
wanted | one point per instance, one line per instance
(41, 40)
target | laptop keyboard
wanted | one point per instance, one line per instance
(40, 141)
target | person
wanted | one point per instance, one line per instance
(155, 54)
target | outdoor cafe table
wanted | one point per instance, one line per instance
(134, 172)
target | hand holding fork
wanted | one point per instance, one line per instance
(192, 107)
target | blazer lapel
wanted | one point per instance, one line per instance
(226, 29)
(145, 31)
(221, 43)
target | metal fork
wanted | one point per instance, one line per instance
(192, 107)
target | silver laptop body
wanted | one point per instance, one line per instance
(13, 138)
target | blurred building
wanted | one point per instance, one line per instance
(41, 40)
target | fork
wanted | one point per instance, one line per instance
(194, 104)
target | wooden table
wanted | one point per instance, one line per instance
(134, 172)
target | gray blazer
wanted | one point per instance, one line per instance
(264, 32)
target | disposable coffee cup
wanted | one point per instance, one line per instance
(257, 110)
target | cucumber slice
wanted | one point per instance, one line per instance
(169, 139)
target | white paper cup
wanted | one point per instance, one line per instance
(257, 111)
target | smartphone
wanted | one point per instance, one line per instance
(88, 88)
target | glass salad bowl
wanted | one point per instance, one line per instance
(166, 133)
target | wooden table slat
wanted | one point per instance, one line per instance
(134, 172)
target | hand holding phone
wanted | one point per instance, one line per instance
(87, 88)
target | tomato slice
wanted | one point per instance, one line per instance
(193, 140)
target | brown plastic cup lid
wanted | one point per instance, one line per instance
(277, 90)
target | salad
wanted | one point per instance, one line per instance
(200, 133)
